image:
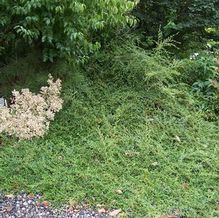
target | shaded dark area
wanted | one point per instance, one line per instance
(183, 18)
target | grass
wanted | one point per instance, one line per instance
(160, 153)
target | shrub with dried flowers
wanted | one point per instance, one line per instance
(30, 114)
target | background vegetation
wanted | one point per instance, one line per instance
(181, 17)
(60, 29)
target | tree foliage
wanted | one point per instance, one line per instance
(183, 16)
(61, 28)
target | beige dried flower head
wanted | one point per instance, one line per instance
(30, 114)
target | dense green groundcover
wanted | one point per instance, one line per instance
(161, 154)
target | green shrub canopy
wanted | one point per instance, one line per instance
(67, 27)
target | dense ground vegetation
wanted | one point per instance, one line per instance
(139, 128)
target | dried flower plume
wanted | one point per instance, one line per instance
(30, 114)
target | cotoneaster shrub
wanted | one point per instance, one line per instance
(127, 63)
(30, 114)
